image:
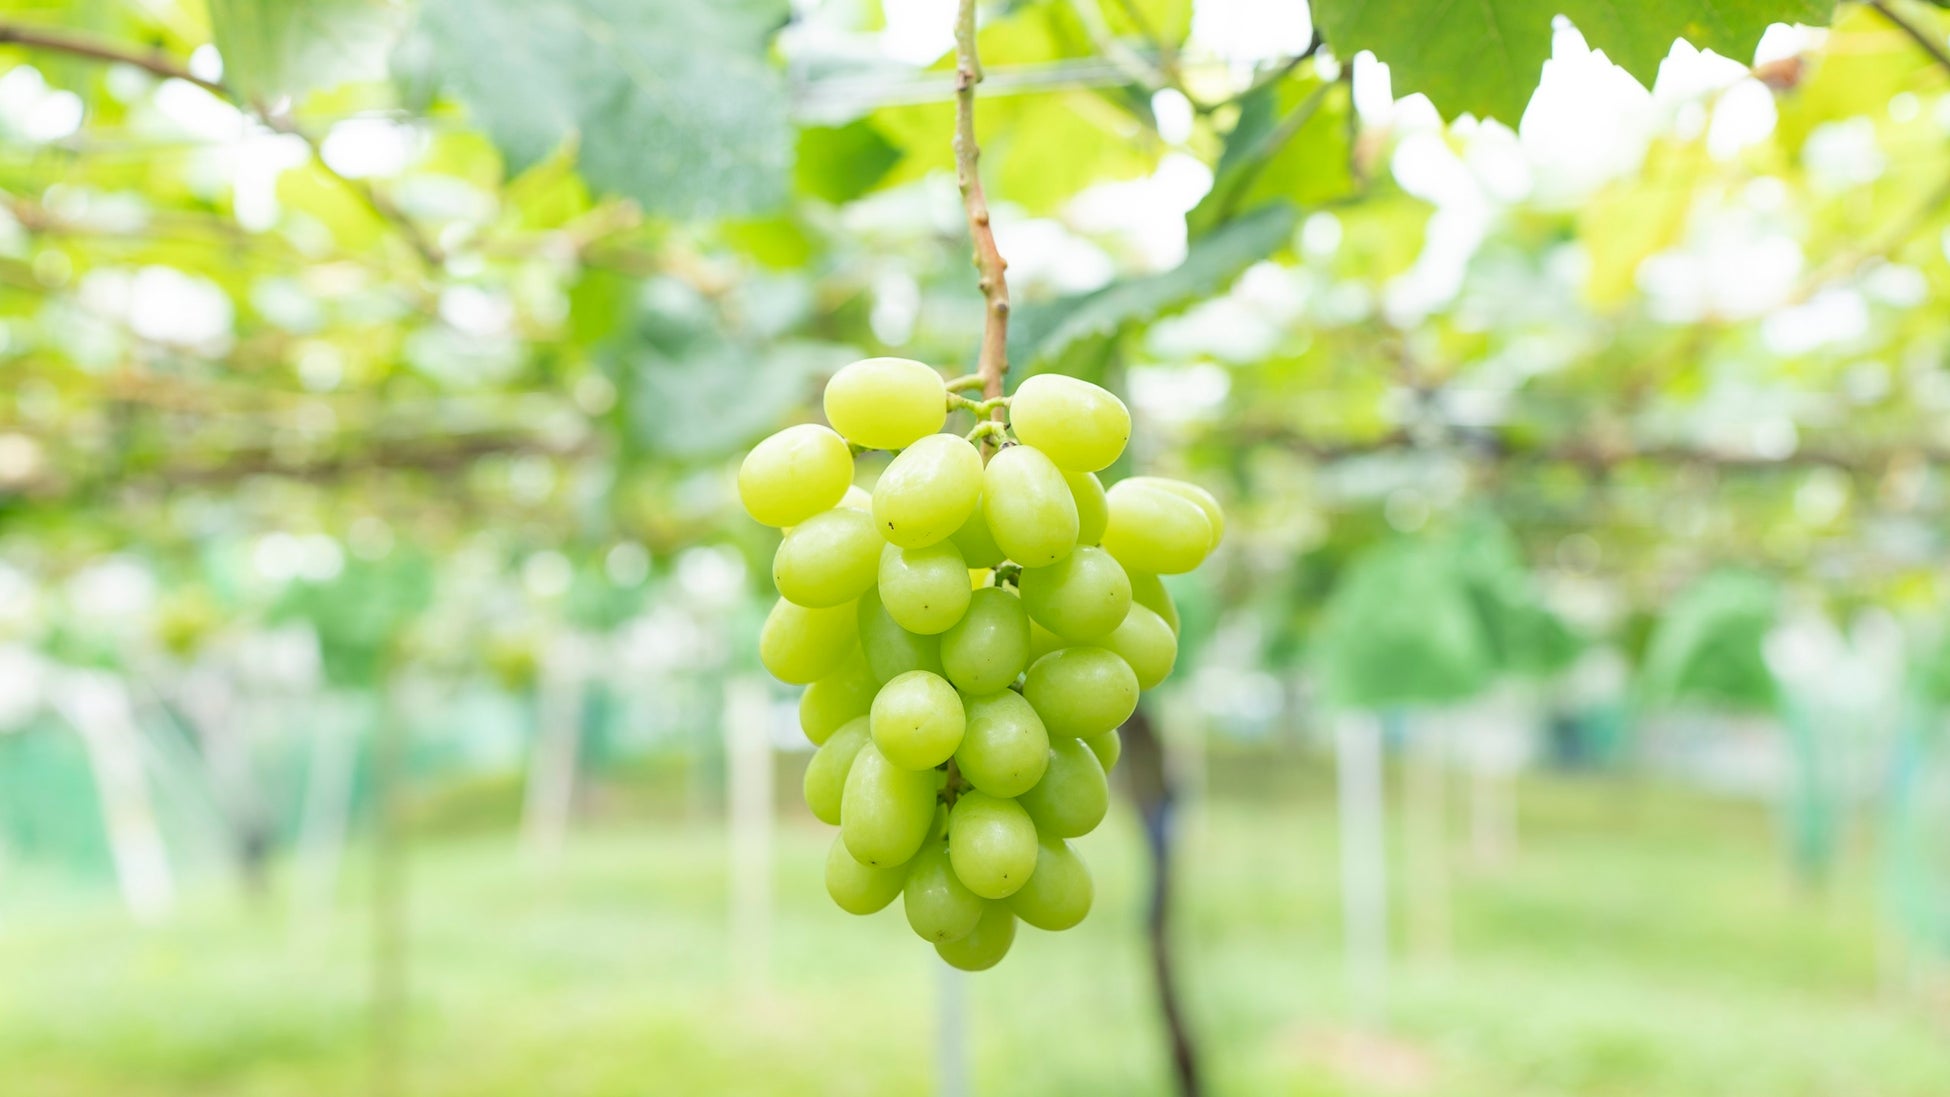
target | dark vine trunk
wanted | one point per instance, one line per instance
(1143, 765)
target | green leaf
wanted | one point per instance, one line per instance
(275, 48)
(1486, 57)
(1290, 143)
(1400, 629)
(1044, 331)
(673, 105)
(841, 163)
(1708, 646)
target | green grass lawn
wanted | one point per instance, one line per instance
(1642, 943)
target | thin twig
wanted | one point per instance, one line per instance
(162, 65)
(993, 361)
(1167, 53)
(1922, 38)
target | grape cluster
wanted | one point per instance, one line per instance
(971, 637)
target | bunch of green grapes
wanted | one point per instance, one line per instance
(971, 635)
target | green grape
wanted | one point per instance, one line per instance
(976, 543)
(1149, 591)
(886, 403)
(1004, 750)
(1081, 691)
(1093, 512)
(1083, 427)
(986, 944)
(794, 475)
(1073, 796)
(1156, 530)
(928, 492)
(1058, 893)
(857, 498)
(1108, 748)
(991, 843)
(939, 906)
(1028, 507)
(925, 590)
(825, 782)
(1198, 495)
(1080, 597)
(989, 646)
(827, 559)
(837, 698)
(886, 811)
(917, 720)
(1042, 641)
(1147, 643)
(800, 645)
(858, 888)
(891, 650)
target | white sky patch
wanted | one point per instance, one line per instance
(1149, 213)
(1174, 115)
(1178, 394)
(1249, 31)
(1729, 271)
(162, 304)
(1046, 256)
(29, 108)
(918, 31)
(364, 147)
(1588, 123)
(1834, 316)
(1743, 116)
(257, 162)
(1842, 155)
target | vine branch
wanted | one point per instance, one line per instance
(162, 65)
(1930, 45)
(993, 361)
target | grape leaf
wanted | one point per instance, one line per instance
(1290, 143)
(841, 163)
(1046, 330)
(1486, 57)
(674, 105)
(273, 48)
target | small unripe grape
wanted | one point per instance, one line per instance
(1083, 427)
(940, 907)
(1147, 643)
(825, 781)
(1073, 796)
(1198, 495)
(1080, 597)
(886, 403)
(800, 645)
(891, 650)
(1093, 511)
(1059, 892)
(1148, 590)
(885, 811)
(1108, 748)
(1155, 530)
(858, 888)
(794, 475)
(827, 559)
(1004, 749)
(986, 944)
(1028, 507)
(928, 492)
(976, 543)
(1081, 691)
(837, 698)
(989, 647)
(917, 720)
(925, 590)
(991, 843)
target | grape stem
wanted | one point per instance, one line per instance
(965, 382)
(952, 791)
(979, 407)
(986, 433)
(993, 360)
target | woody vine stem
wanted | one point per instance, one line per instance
(993, 361)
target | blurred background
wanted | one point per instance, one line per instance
(1564, 713)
